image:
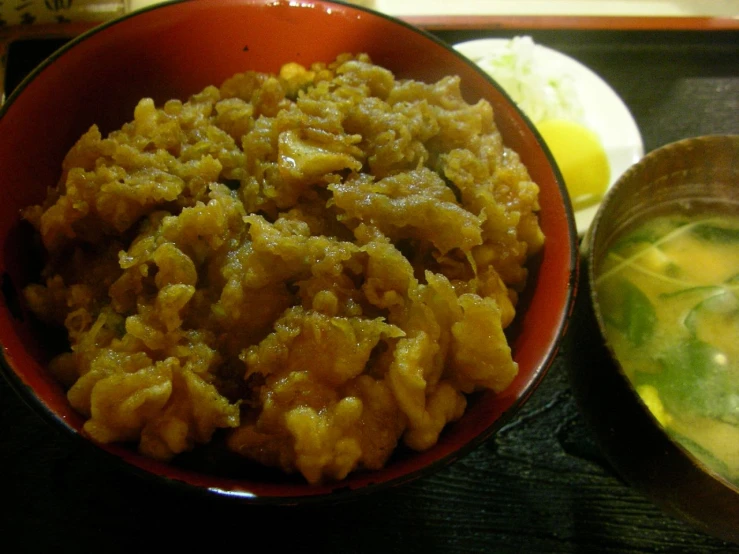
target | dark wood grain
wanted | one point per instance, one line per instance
(540, 486)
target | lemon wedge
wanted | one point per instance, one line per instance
(581, 160)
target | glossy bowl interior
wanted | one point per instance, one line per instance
(174, 50)
(685, 172)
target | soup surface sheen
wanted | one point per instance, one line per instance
(669, 291)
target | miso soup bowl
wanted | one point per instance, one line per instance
(636, 445)
(176, 49)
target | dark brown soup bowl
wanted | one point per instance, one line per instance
(674, 176)
(176, 49)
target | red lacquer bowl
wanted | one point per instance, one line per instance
(174, 50)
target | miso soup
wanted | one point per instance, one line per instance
(669, 295)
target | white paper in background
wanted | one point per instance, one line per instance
(41, 12)
(662, 8)
(645, 8)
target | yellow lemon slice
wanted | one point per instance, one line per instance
(581, 159)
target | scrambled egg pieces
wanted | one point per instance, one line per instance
(311, 266)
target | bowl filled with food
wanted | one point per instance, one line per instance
(652, 346)
(277, 270)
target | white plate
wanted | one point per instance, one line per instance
(603, 110)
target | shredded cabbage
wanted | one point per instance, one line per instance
(536, 88)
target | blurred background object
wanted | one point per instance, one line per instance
(27, 22)
(40, 12)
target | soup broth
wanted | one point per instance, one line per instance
(669, 295)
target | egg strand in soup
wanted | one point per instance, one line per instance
(669, 291)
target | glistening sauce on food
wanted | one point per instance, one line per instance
(312, 266)
(669, 295)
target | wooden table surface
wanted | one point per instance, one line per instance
(540, 486)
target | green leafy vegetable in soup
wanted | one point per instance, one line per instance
(669, 291)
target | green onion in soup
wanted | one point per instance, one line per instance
(669, 295)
